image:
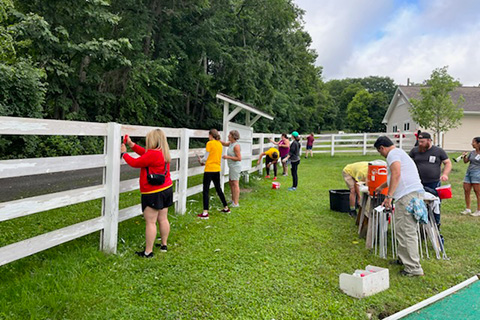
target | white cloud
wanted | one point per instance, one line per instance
(415, 39)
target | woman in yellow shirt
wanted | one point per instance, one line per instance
(212, 160)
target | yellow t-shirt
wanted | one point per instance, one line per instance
(358, 170)
(214, 148)
(271, 151)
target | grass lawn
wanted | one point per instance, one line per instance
(278, 256)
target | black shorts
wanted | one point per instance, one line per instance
(158, 200)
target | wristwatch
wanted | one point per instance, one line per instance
(388, 197)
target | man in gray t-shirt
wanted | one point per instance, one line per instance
(429, 159)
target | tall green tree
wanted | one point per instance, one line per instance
(358, 118)
(436, 109)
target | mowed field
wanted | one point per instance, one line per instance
(278, 256)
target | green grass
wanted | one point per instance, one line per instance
(278, 256)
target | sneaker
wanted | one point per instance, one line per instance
(397, 262)
(466, 211)
(353, 213)
(476, 214)
(292, 189)
(267, 177)
(143, 255)
(225, 210)
(284, 174)
(404, 273)
(161, 246)
(274, 178)
(235, 205)
(203, 215)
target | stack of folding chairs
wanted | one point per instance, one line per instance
(380, 219)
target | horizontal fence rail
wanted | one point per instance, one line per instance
(357, 142)
(111, 188)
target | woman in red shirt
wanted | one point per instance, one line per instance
(155, 198)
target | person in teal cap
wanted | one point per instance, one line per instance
(294, 157)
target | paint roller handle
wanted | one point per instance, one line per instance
(460, 157)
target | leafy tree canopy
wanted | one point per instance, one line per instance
(435, 109)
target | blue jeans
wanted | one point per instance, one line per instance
(431, 187)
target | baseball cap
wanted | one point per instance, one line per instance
(424, 135)
(295, 134)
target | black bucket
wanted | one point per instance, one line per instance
(340, 200)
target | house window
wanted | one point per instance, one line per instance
(394, 129)
(406, 126)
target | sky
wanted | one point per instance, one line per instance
(396, 38)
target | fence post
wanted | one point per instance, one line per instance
(400, 143)
(183, 172)
(332, 152)
(109, 233)
(365, 143)
(260, 164)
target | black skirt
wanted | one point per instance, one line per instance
(158, 200)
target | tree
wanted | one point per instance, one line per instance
(358, 118)
(378, 108)
(436, 109)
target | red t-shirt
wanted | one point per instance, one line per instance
(310, 140)
(154, 160)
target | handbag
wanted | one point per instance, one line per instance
(156, 179)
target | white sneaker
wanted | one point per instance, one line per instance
(235, 205)
(466, 211)
(476, 214)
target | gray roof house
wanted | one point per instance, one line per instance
(397, 117)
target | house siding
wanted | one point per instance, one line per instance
(460, 139)
(400, 115)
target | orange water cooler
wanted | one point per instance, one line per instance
(377, 175)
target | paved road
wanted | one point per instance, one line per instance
(30, 186)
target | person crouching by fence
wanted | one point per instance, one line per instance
(212, 161)
(234, 160)
(271, 158)
(157, 195)
(284, 149)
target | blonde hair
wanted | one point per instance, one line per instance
(156, 139)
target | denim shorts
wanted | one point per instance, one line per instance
(472, 176)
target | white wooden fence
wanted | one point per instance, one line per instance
(357, 142)
(111, 188)
(109, 191)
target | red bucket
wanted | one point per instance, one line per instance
(444, 192)
(275, 185)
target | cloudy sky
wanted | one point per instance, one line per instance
(396, 38)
